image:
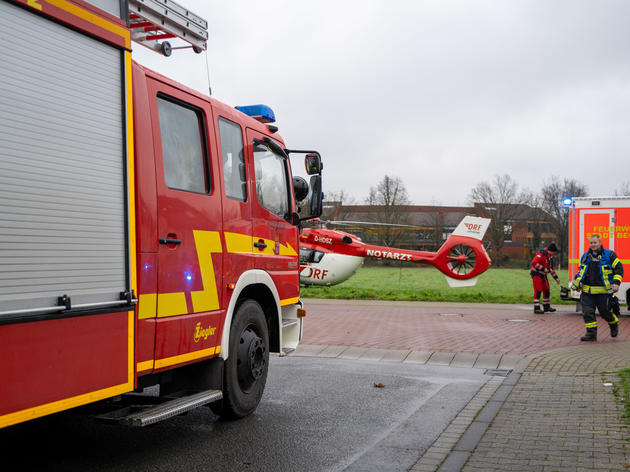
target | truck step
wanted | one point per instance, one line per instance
(144, 416)
(287, 351)
(289, 322)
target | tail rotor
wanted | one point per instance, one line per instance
(461, 259)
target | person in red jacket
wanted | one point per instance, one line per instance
(541, 266)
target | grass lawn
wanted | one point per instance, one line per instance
(624, 394)
(427, 284)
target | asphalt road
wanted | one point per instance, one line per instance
(317, 414)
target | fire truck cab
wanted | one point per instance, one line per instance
(149, 233)
(610, 218)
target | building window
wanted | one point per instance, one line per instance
(507, 232)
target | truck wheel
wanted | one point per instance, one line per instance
(245, 371)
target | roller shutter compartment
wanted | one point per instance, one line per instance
(63, 199)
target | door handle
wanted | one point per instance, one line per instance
(170, 241)
(260, 245)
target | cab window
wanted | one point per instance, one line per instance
(271, 180)
(183, 146)
(233, 159)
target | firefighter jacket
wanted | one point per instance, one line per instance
(598, 272)
(543, 265)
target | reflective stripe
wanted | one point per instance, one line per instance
(597, 289)
(615, 262)
(615, 319)
(289, 301)
(591, 325)
(580, 274)
(617, 278)
(606, 277)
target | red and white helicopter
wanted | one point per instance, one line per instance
(330, 256)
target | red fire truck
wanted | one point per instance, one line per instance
(610, 218)
(148, 233)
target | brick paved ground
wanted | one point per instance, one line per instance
(561, 416)
(478, 328)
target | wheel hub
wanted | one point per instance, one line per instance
(251, 358)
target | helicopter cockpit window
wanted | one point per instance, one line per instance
(306, 255)
(271, 180)
(310, 255)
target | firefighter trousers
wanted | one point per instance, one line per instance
(599, 301)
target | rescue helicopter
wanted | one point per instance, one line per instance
(330, 256)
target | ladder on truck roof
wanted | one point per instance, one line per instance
(152, 22)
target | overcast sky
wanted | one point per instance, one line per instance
(443, 94)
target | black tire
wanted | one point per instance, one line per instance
(245, 370)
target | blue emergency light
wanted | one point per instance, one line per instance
(262, 113)
(567, 201)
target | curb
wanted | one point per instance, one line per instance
(452, 449)
(452, 359)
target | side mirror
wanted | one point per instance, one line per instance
(315, 203)
(313, 163)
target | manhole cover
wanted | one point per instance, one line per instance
(451, 314)
(520, 321)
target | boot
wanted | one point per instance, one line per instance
(614, 330)
(591, 335)
(547, 307)
(538, 310)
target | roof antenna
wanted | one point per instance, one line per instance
(208, 72)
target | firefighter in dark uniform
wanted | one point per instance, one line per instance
(598, 277)
(540, 267)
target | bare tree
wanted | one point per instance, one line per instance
(536, 218)
(623, 190)
(343, 199)
(388, 199)
(499, 200)
(340, 196)
(436, 220)
(552, 193)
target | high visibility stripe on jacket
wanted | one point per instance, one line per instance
(610, 269)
